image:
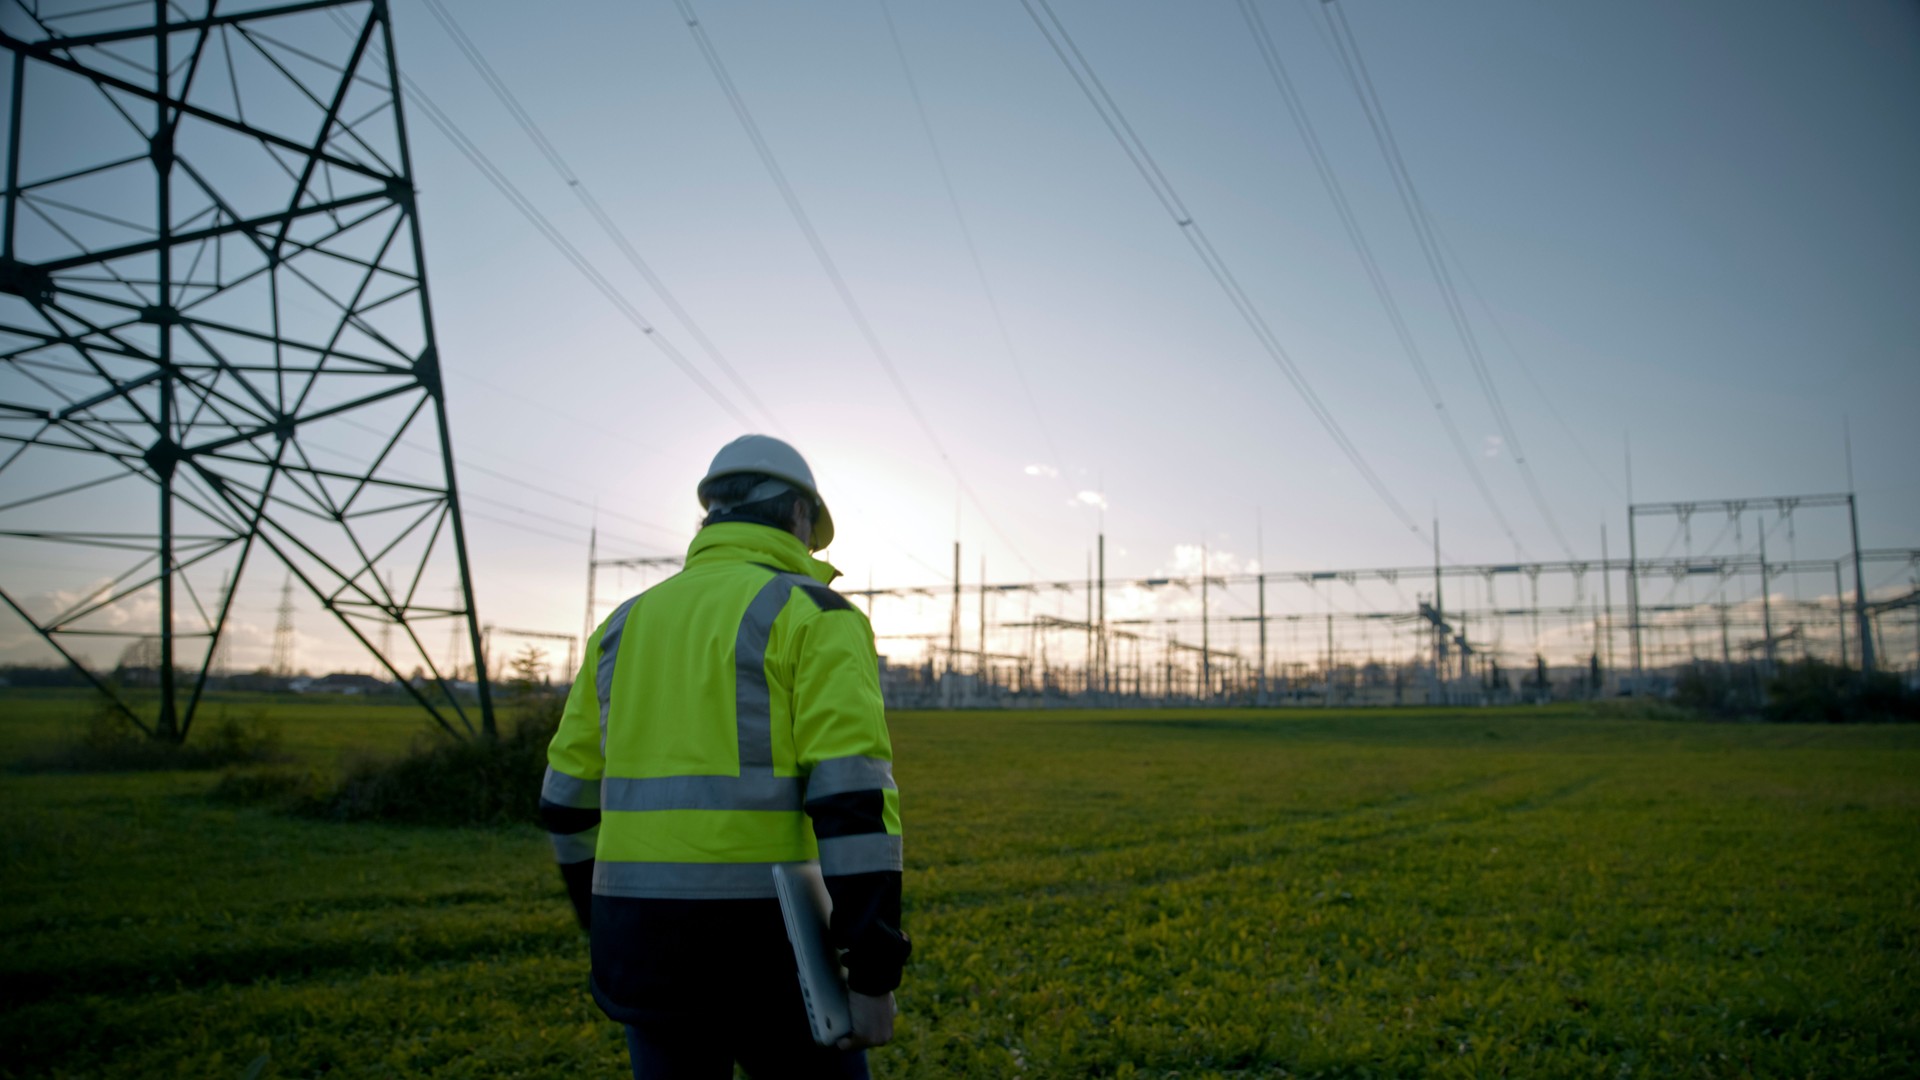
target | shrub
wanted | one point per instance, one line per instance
(445, 782)
(285, 787)
(1814, 691)
(1717, 691)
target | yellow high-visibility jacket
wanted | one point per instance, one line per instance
(727, 719)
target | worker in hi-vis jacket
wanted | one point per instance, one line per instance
(726, 720)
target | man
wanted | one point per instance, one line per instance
(725, 720)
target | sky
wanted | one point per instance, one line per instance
(1684, 228)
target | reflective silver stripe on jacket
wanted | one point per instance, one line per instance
(865, 853)
(837, 775)
(574, 847)
(603, 670)
(563, 790)
(683, 881)
(759, 790)
(752, 701)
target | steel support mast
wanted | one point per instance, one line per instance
(216, 342)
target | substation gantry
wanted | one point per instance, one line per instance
(214, 335)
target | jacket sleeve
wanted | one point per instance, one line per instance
(840, 734)
(570, 794)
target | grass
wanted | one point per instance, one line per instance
(1446, 893)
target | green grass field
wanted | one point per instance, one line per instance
(1457, 893)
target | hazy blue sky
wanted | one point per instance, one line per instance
(1694, 222)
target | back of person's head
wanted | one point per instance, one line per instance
(753, 497)
(764, 480)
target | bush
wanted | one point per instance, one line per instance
(1717, 691)
(440, 782)
(110, 743)
(1814, 691)
(285, 787)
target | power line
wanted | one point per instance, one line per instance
(521, 399)
(478, 158)
(1111, 115)
(471, 496)
(1330, 180)
(1347, 48)
(541, 488)
(525, 206)
(579, 187)
(827, 264)
(966, 233)
(1520, 361)
(504, 94)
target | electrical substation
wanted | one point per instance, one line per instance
(1449, 633)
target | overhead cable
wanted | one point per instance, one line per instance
(966, 233)
(1330, 180)
(546, 489)
(525, 206)
(1347, 48)
(827, 264)
(520, 397)
(468, 496)
(578, 186)
(1110, 114)
(1520, 360)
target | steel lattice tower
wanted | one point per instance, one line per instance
(215, 336)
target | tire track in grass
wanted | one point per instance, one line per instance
(1179, 834)
(1110, 873)
(1559, 794)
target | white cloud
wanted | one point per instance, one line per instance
(1088, 498)
(1187, 559)
(1047, 471)
(1493, 446)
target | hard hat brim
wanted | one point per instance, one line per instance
(822, 524)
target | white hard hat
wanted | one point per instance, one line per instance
(766, 454)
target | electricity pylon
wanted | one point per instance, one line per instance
(283, 633)
(215, 336)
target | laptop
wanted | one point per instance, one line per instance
(806, 907)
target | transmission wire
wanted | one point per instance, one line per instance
(1520, 360)
(579, 187)
(827, 264)
(478, 158)
(966, 233)
(1330, 180)
(1347, 48)
(525, 206)
(1116, 122)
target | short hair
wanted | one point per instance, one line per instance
(722, 492)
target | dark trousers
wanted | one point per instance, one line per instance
(767, 1052)
(703, 984)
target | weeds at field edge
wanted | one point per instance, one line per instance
(108, 743)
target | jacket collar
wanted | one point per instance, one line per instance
(740, 541)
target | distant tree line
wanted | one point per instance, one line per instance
(35, 677)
